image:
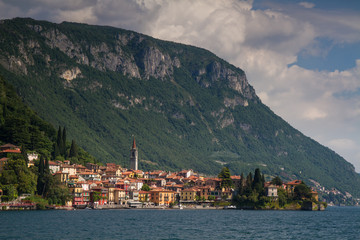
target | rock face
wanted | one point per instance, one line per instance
(187, 107)
(71, 74)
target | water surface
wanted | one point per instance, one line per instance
(333, 223)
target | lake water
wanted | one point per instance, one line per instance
(333, 223)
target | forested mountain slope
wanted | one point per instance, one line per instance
(186, 107)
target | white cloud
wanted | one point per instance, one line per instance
(314, 113)
(307, 4)
(343, 143)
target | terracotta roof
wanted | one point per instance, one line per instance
(9, 145)
(11, 151)
(235, 177)
(144, 192)
(294, 182)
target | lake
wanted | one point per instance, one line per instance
(333, 223)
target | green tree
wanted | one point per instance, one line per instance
(26, 182)
(63, 149)
(145, 187)
(59, 143)
(302, 191)
(10, 192)
(282, 197)
(277, 181)
(225, 177)
(258, 184)
(249, 184)
(17, 173)
(41, 172)
(74, 151)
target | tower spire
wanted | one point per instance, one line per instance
(134, 144)
(134, 156)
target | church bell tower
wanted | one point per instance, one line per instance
(134, 157)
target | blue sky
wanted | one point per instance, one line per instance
(302, 57)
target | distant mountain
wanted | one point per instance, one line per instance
(186, 107)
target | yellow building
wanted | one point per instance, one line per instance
(162, 196)
(188, 194)
(144, 196)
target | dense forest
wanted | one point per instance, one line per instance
(21, 126)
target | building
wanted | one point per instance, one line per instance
(8, 149)
(188, 194)
(144, 196)
(290, 186)
(54, 167)
(134, 157)
(162, 197)
(119, 196)
(271, 191)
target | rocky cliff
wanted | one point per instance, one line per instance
(187, 107)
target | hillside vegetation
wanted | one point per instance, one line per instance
(186, 107)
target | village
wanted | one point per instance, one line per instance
(112, 186)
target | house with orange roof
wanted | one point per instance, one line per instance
(62, 176)
(290, 186)
(10, 148)
(79, 168)
(119, 196)
(144, 196)
(213, 182)
(155, 174)
(236, 181)
(92, 167)
(73, 178)
(161, 197)
(175, 187)
(314, 195)
(138, 173)
(66, 168)
(188, 194)
(127, 174)
(205, 192)
(186, 173)
(54, 166)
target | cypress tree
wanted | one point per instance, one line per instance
(56, 150)
(59, 141)
(64, 143)
(242, 184)
(258, 182)
(73, 149)
(40, 181)
(24, 154)
(249, 184)
(46, 168)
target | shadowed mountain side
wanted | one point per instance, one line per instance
(186, 107)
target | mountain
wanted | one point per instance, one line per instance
(186, 107)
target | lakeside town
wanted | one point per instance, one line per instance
(115, 187)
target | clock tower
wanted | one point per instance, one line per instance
(134, 157)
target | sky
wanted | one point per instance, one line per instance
(302, 57)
